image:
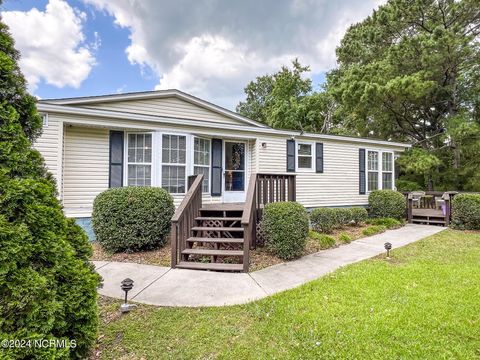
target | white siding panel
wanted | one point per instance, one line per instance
(49, 144)
(171, 107)
(85, 168)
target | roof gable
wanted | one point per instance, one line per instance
(167, 103)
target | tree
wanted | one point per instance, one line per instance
(407, 70)
(285, 100)
(47, 285)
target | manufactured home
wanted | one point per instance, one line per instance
(160, 138)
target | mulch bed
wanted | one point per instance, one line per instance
(260, 258)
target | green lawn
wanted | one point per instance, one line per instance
(422, 304)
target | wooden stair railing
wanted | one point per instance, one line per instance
(263, 189)
(184, 218)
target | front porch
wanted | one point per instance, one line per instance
(220, 236)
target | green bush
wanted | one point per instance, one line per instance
(343, 216)
(389, 223)
(466, 211)
(286, 228)
(325, 241)
(132, 218)
(345, 238)
(374, 229)
(326, 219)
(48, 288)
(387, 204)
(358, 215)
(407, 186)
(323, 219)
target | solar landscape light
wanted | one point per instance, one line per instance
(388, 247)
(126, 285)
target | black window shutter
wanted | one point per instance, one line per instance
(319, 157)
(115, 174)
(291, 155)
(217, 167)
(361, 167)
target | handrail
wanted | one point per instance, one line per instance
(263, 189)
(184, 218)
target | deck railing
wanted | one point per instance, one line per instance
(184, 218)
(429, 202)
(263, 189)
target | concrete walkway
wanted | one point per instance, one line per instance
(164, 286)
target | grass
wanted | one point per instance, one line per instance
(423, 303)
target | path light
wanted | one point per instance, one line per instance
(126, 286)
(388, 247)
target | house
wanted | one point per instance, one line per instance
(159, 138)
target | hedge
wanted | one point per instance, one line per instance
(132, 218)
(466, 211)
(286, 229)
(327, 219)
(387, 204)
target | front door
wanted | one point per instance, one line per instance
(235, 176)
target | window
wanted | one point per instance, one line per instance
(201, 161)
(387, 170)
(174, 160)
(372, 167)
(44, 119)
(139, 159)
(380, 175)
(304, 156)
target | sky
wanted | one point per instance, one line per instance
(208, 48)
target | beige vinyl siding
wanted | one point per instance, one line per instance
(170, 107)
(50, 146)
(85, 169)
(338, 185)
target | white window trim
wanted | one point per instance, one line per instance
(44, 119)
(388, 172)
(380, 171)
(126, 162)
(188, 158)
(209, 166)
(312, 147)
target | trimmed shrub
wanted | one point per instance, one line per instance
(345, 238)
(389, 223)
(286, 228)
(358, 215)
(387, 204)
(374, 229)
(324, 219)
(325, 241)
(132, 218)
(343, 216)
(466, 211)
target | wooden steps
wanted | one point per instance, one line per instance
(209, 266)
(216, 240)
(213, 252)
(208, 228)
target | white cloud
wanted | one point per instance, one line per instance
(213, 48)
(52, 44)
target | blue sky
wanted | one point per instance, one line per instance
(210, 49)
